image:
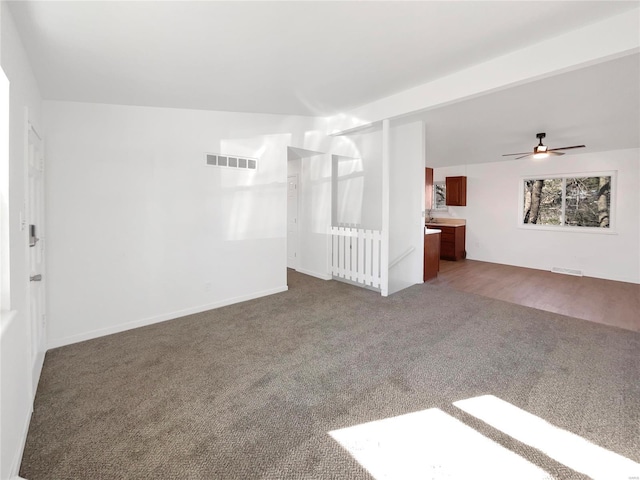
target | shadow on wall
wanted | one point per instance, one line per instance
(250, 202)
(350, 195)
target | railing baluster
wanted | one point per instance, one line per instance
(355, 255)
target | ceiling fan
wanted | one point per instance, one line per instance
(542, 151)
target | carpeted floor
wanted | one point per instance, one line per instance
(252, 390)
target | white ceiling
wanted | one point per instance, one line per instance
(323, 58)
(306, 58)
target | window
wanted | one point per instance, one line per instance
(439, 196)
(568, 201)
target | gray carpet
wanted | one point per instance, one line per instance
(252, 390)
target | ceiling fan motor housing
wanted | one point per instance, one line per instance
(540, 148)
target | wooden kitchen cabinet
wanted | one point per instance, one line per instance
(452, 241)
(456, 193)
(431, 256)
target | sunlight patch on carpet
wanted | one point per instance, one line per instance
(431, 444)
(568, 448)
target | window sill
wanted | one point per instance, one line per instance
(553, 228)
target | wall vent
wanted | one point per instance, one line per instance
(231, 161)
(567, 271)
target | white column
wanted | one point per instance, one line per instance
(384, 254)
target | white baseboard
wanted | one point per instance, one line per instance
(16, 437)
(61, 342)
(321, 276)
(37, 370)
(586, 273)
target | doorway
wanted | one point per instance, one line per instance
(308, 211)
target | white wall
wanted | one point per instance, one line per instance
(17, 369)
(406, 204)
(359, 179)
(140, 230)
(493, 234)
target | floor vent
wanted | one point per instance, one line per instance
(567, 271)
(231, 161)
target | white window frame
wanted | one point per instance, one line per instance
(612, 230)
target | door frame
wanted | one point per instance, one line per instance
(297, 241)
(35, 164)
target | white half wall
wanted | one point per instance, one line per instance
(406, 204)
(140, 230)
(494, 235)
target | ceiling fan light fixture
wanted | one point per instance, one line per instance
(542, 151)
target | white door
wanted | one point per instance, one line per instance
(35, 225)
(292, 221)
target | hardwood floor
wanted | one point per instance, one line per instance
(594, 299)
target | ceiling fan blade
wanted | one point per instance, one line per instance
(511, 154)
(523, 156)
(565, 148)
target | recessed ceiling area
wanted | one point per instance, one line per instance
(598, 106)
(304, 58)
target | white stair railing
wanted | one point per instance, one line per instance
(355, 255)
(401, 257)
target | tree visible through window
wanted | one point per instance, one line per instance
(569, 201)
(439, 196)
